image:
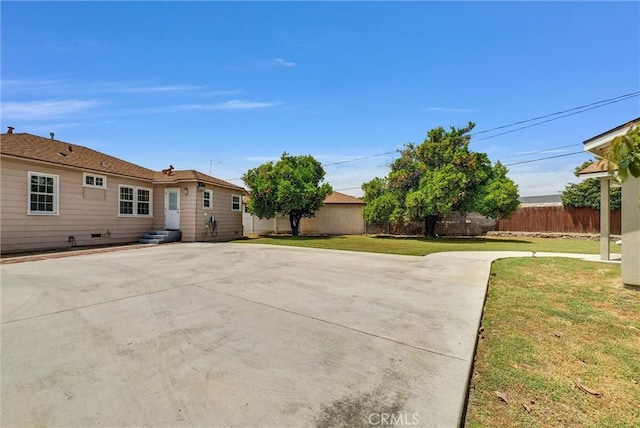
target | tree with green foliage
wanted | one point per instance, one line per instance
(292, 186)
(441, 175)
(587, 192)
(625, 153)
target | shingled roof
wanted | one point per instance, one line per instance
(192, 175)
(332, 198)
(341, 198)
(32, 147)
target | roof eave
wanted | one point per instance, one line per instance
(74, 167)
(597, 144)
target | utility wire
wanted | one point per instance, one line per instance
(574, 110)
(548, 157)
(552, 119)
(519, 155)
(607, 101)
(357, 159)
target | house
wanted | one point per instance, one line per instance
(56, 194)
(541, 201)
(599, 145)
(340, 215)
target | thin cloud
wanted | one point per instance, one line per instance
(232, 105)
(261, 158)
(59, 85)
(533, 152)
(47, 109)
(160, 89)
(282, 63)
(452, 109)
(39, 86)
(274, 63)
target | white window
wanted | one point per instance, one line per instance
(236, 202)
(43, 193)
(207, 199)
(134, 201)
(94, 180)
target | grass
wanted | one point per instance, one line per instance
(547, 323)
(423, 246)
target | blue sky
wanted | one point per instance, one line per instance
(223, 87)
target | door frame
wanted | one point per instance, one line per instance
(166, 208)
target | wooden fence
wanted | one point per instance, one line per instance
(558, 219)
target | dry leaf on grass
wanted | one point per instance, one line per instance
(526, 407)
(504, 396)
(587, 389)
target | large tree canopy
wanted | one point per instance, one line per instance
(441, 175)
(292, 186)
(587, 192)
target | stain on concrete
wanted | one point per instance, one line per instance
(360, 411)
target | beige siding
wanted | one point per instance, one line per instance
(188, 212)
(82, 211)
(631, 232)
(331, 219)
(335, 219)
(229, 223)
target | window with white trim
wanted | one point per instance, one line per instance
(134, 201)
(43, 193)
(94, 180)
(207, 199)
(236, 202)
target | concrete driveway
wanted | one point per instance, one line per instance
(239, 335)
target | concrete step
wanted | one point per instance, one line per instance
(161, 237)
(150, 241)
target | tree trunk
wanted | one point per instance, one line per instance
(430, 226)
(294, 221)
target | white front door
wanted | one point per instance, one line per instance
(172, 209)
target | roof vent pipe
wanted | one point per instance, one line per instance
(52, 135)
(10, 129)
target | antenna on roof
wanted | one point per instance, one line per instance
(52, 134)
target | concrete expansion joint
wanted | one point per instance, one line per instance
(333, 324)
(77, 308)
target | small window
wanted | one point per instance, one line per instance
(134, 201)
(207, 199)
(94, 180)
(236, 202)
(43, 193)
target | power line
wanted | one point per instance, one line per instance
(574, 110)
(542, 151)
(357, 159)
(555, 118)
(619, 98)
(548, 157)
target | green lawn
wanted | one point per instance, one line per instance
(423, 246)
(547, 324)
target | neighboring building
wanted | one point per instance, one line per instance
(340, 215)
(541, 201)
(599, 145)
(56, 194)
